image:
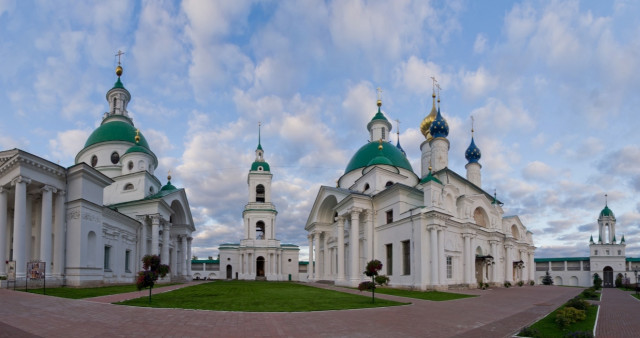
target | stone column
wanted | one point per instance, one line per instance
(20, 225)
(155, 229)
(442, 266)
(326, 257)
(4, 233)
(354, 246)
(317, 271)
(189, 255)
(173, 256)
(532, 271)
(340, 249)
(28, 220)
(183, 253)
(46, 226)
(143, 236)
(465, 257)
(509, 264)
(59, 229)
(166, 231)
(369, 235)
(494, 253)
(472, 261)
(311, 265)
(524, 256)
(433, 233)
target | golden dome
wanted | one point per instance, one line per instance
(118, 70)
(426, 123)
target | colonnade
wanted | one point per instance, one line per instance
(48, 251)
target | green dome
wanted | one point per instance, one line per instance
(115, 131)
(256, 164)
(429, 178)
(606, 212)
(138, 149)
(168, 186)
(380, 159)
(118, 84)
(370, 151)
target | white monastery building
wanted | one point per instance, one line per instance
(259, 255)
(92, 223)
(607, 258)
(435, 230)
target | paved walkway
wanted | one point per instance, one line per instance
(495, 313)
(619, 314)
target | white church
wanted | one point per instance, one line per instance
(91, 223)
(438, 230)
(607, 258)
(259, 255)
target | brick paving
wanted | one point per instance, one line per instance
(495, 313)
(619, 314)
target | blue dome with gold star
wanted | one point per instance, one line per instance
(439, 126)
(473, 152)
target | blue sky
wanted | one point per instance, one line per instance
(552, 86)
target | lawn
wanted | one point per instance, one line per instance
(548, 327)
(425, 295)
(252, 296)
(79, 293)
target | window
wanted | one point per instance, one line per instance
(127, 255)
(389, 183)
(130, 165)
(390, 216)
(260, 230)
(128, 186)
(366, 187)
(107, 258)
(619, 252)
(449, 267)
(595, 252)
(115, 157)
(383, 133)
(607, 253)
(94, 160)
(406, 258)
(389, 259)
(260, 193)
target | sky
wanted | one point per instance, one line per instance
(552, 86)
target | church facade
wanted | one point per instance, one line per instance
(437, 230)
(91, 223)
(607, 258)
(259, 255)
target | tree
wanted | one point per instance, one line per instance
(597, 281)
(371, 271)
(152, 271)
(547, 280)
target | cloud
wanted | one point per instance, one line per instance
(480, 44)
(478, 83)
(414, 75)
(67, 144)
(538, 171)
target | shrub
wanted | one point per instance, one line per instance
(569, 315)
(579, 334)
(528, 331)
(547, 280)
(578, 303)
(520, 283)
(382, 280)
(366, 286)
(590, 293)
(619, 280)
(507, 284)
(532, 282)
(597, 281)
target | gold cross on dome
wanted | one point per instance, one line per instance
(379, 90)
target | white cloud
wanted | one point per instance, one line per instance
(480, 44)
(415, 75)
(67, 144)
(538, 171)
(478, 83)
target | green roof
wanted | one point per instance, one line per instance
(369, 152)
(118, 84)
(429, 178)
(138, 149)
(607, 212)
(560, 259)
(115, 131)
(256, 164)
(214, 261)
(379, 116)
(380, 159)
(168, 187)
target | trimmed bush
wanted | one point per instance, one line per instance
(528, 331)
(382, 280)
(578, 303)
(590, 293)
(597, 281)
(507, 284)
(569, 315)
(547, 280)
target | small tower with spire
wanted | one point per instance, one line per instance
(607, 257)
(379, 127)
(439, 130)
(607, 223)
(472, 154)
(118, 97)
(260, 213)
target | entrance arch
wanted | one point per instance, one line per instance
(260, 266)
(607, 279)
(229, 274)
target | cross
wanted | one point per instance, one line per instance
(472, 120)
(605, 199)
(118, 55)
(434, 82)
(398, 124)
(379, 93)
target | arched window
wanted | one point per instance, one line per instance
(94, 160)
(480, 217)
(383, 133)
(389, 183)
(128, 186)
(366, 187)
(260, 193)
(130, 165)
(515, 232)
(115, 157)
(260, 230)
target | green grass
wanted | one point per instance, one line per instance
(258, 297)
(548, 328)
(79, 293)
(425, 295)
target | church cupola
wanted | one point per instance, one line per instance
(379, 127)
(425, 148)
(439, 145)
(118, 97)
(398, 142)
(473, 166)
(259, 164)
(607, 224)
